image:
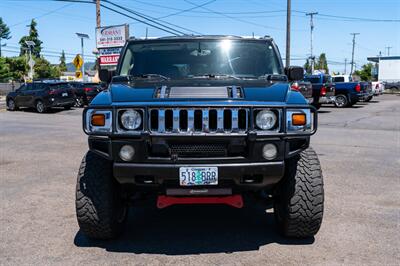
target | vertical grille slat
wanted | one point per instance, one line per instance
(198, 120)
(161, 121)
(190, 120)
(220, 120)
(205, 121)
(235, 120)
(175, 120)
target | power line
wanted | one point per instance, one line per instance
(146, 17)
(147, 21)
(45, 14)
(142, 21)
(235, 18)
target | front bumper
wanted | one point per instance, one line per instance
(238, 176)
(245, 171)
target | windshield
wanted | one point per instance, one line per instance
(186, 59)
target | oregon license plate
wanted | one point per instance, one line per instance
(64, 94)
(198, 176)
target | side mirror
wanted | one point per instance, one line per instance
(294, 73)
(105, 75)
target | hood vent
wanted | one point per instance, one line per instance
(231, 92)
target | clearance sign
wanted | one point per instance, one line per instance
(109, 42)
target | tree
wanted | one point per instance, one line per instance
(307, 66)
(18, 68)
(365, 73)
(4, 70)
(4, 32)
(33, 36)
(62, 66)
(43, 69)
(322, 63)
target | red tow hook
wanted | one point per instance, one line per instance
(233, 200)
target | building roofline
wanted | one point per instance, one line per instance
(377, 58)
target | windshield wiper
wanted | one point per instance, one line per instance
(150, 76)
(214, 76)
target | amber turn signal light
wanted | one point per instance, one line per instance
(98, 120)
(299, 119)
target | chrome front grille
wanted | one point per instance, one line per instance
(198, 120)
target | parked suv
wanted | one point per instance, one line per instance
(85, 92)
(200, 120)
(41, 95)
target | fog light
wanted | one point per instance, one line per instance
(269, 151)
(127, 152)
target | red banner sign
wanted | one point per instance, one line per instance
(109, 59)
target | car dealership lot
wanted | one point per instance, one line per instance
(359, 149)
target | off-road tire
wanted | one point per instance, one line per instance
(100, 209)
(341, 101)
(299, 201)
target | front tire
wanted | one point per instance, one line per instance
(299, 202)
(341, 101)
(100, 209)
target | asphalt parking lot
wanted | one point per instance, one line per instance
(359, 149)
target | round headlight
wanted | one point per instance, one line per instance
(265, 119)
(131, 119)
(269, 151)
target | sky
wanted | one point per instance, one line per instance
(59, 21)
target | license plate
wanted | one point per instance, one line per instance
(198, 176)
(64, 94)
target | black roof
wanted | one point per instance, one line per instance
(201, 37)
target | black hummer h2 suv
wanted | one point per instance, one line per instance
(200, 120)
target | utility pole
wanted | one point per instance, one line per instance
(388, 50)
(288, 15)
(345, 66)
(352, 53)
(31, 62)
(98, 20)
(312, 14)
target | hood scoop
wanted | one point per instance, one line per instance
(230, 92)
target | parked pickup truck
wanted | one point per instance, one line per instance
(377, 87)
(349, 92)
(200, 120)
(323, 89)
(305, 88)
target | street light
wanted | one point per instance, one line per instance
(31, 63)
(82, 36)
